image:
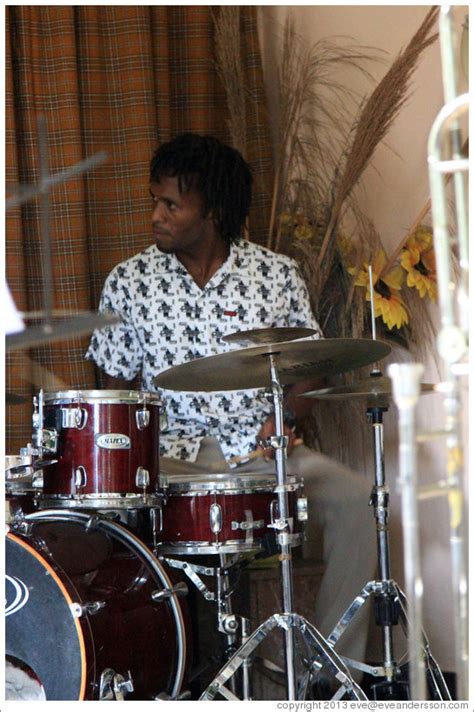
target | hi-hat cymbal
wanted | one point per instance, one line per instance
(250, 368)
(58, 331)
(374, 389)
(276, 335)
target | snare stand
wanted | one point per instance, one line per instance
(389, 599)
(288, 620)
(228, 623)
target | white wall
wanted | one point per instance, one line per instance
(392, 197)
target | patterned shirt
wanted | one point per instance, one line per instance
(168, 320)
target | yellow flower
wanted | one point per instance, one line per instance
(304, 232)
(418, 259)
(286, 219)
(345, 245)
(387, 303)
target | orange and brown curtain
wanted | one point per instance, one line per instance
(118, 79)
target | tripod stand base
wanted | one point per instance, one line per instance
(319, 653)
(391, 590)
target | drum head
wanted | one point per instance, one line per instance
(81, 607)
(40, 628)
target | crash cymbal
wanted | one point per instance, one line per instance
(277, 335)
(14, 399)
(250, 368)
(58, 331)
(374, 389)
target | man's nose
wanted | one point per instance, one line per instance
(158, 215)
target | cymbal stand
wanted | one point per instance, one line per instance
(320, 651)
(389, 600)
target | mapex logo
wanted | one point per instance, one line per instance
(113, 441)
(16, 595)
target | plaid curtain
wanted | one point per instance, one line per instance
(119, 79)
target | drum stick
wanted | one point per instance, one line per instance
(237, 459)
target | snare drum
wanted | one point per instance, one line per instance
(224, 513)
(107, 447)
(90, 612)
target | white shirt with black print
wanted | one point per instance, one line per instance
(168, 320)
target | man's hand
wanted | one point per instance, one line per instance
(267, 430)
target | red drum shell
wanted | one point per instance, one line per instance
(62, 564)
(244, 503)
(109, 449)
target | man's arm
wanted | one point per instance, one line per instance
(117, 384)
(300, 407)
(295, 408)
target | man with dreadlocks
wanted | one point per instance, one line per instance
(198, 282)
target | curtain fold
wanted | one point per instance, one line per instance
(119, 79)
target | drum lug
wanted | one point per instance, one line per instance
(180, 590)
(215, 518)
(156, 518)
(80, 478)
(114, 686)
(89, 609)
(73, 418)
(142, 418)
(302, 509)
(142, 478)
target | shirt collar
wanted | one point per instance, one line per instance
(237, 261)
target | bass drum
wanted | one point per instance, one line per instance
(90, 612)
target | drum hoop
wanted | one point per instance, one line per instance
(108, 397)
(230, 546)
(221, 483)
(133, 542)
(45, 563)
(111, 500)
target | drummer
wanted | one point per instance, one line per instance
(197, 282)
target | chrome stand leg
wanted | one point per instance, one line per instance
(227, 623)
(389, 600)
(322, 652)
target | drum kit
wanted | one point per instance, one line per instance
(100, 542)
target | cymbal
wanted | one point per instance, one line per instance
(58, 331)
(250, 368)
(375, 389)
(14, 399)
(275, 335)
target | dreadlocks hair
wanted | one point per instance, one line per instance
(217, 171)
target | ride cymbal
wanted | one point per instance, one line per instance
(250, 368)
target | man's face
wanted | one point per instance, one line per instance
(178, 221)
